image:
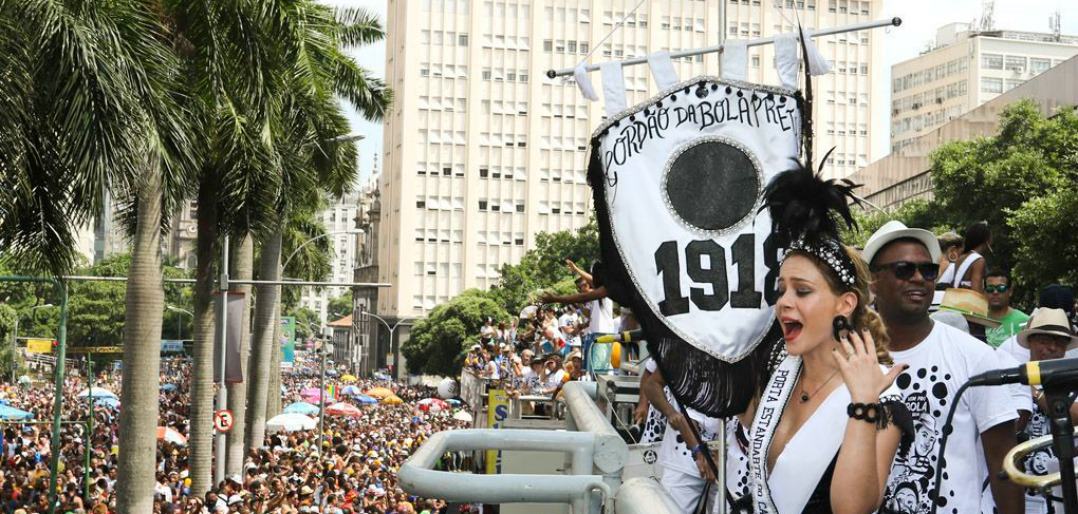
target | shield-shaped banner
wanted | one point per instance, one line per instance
(678, 183)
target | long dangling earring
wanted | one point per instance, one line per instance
(839, 324)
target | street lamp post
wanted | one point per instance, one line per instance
(322, 397)
(396, 357)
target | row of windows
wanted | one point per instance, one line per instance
(435, 269)
(997, 85)
(452, 6)
(503, 10)
(456, 203)
(936, 96)
(505, 41)
(443, 104)
(563, 46)
(929, 119)
(505, 206)
(439, 38)
(929, 75)
(499, 75)
(678, 24)
(1016, 63)
(444, 70)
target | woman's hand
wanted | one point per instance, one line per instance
(702, 466)
(856, 359)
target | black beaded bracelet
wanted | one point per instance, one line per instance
(875, 413)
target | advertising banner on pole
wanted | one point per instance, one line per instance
(497, 412)
(233, 371)
(39, 346)
(171, 346)
(288, 341)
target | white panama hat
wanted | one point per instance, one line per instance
(894, 230)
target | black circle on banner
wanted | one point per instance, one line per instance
(712, 185)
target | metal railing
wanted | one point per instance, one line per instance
(597, 455)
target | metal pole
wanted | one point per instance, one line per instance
(322, 399)
(90, 433)
(58, 398)
(893, 22)
(222, 392)
(15, 349)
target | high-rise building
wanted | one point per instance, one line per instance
(962, 70)
(339, 220)
(482, 151)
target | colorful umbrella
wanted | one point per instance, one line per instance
(96, 392)
(169, 387)
(463, 416)
(343, 409)
(433, 404)
(380, 392)
(392, 400)
(301, 408)
(170, 435)
(8, 413)
(312, 394)
(349, 378)
(109, 402)
(364, 399)
(454, 402)
(290, 423)
(350, 390)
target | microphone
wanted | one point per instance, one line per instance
(1057, 372)
(622, 337)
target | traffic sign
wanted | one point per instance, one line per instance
(222, 420)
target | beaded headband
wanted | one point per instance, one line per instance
(831, 253)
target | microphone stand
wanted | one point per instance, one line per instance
(1059, 403)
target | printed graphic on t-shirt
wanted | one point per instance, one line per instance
(925, 394)
(1042, 461)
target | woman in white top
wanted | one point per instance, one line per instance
(971, 267)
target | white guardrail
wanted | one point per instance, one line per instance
(597, 455)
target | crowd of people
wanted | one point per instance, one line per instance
(354, 472)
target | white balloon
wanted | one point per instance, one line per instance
(447, 389)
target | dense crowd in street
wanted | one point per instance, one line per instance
(356, 472)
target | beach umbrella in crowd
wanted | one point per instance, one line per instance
(343, 409)
(24, 380)
(169, 387)
(290, 423)
(108, 401)
(382, 376)
(331, 372)
(454, 402)
(433, 404)
(350, 390)
(380, 392)
(8, 413)
(364, 399)
(311, 394)
(392, 400)
(463, 416)
(170, 435)
(301, 408)
(97, 392)
(349, 378)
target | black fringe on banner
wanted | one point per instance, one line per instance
(697, 379)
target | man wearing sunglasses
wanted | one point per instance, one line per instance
(997, 286)
(904, 264)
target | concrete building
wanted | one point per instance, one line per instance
(905, 176)
(964, 69)
(180, 241)
(482, 151)
(373, 341)
(339, 220)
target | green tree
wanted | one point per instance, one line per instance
(988, 178)
(1021, 181)
(437, 343)
(340, 306)
(543, 266)
(915, 213)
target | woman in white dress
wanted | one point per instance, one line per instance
(825, 429)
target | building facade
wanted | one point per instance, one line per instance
(482, 151)
(339, 221)
(964, 69)
(904, 176)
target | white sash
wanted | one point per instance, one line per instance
(808, 453)
(805, 457)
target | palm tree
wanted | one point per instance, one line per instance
(242, 269)
(309, 118)
(87, 106)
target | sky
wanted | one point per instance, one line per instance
(920, 19)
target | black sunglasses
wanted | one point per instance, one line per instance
(903, 270)
(998, 288)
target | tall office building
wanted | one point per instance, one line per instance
(482, 151)
(964, 69)
(339, 220)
